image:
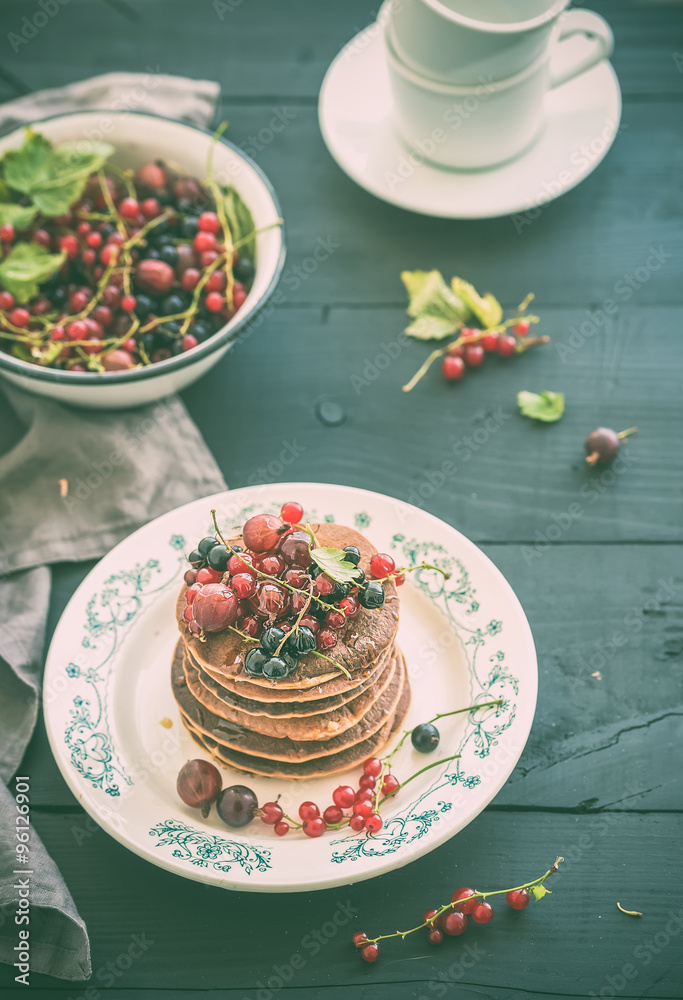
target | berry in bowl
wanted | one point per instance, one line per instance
(128, 267)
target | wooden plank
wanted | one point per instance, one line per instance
(254, 51)
(597, 742)
(568, 945)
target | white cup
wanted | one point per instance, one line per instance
(459, 41)
(487, 124)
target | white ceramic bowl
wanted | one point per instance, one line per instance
(138, 138)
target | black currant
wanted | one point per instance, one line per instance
(236, 805)
(254, 661)
(271, 638)
(352, 554)
(244, 270)
(371, 595)
(201, 330)
(195, 558)
(143, 306)
(276, 667)
(302, 641)
(151, 253)
(218, 558)
(314, 570)
(171, 305)
(359, 578)
(169, 254)
(206, 544)
(425, 737)
(340, 592)
(189, 227)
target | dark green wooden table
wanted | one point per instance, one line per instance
(600, 781)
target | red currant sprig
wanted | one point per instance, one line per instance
(451, 918)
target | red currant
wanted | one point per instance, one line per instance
(189, 279)
(6, 301)
(365, 795)
(344, 796)
(209, 222)
(110, 254)
(207, 575)
(507, 346)
(428, 918)
(366, 781)
(20, 317)
(453, 367)
(214, 302)
(58, 333)
(151, 208)
(314, 827)
(204, 241)
(239, 295)
(42, 237)
(324, 585)
(350, 606)
(435, 936)
(294, 576)
(326, 638)
(111, 296)
(454, 923)
(357, 823)
(188, 342)
(399, 580)
(78, 330)
(473, 355)
(359, 938)
(102, 315)
(521, 328)
(216, 282)
(370, 952)
(190, 576)
(308, 810)
(489, 341)
(207, 257)
(373, 823)
(128, 303)
(244, 585)
(116, 239)
(372, 766)
(94, 240)
(250, 625)
(363, 808)
(332, 815)
(241, 562)
(465, 893)
(271, 813)
(518, 899)
(335, 619)
(69, 246)
(281, 828)
(7, 233)
(390, 784)
(381, 565)
(292, 512)
(482, 913)
(129, 208)
(311, 622)
(271, 565)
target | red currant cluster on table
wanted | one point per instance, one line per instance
(271, 591)
(452, 918)
(472, 345)
(149, 272)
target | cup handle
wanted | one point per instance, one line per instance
(573, 57)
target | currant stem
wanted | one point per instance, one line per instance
(424, 368)
(476, 895)
(411, 569)
(442, 715)
(625, 434)
(629, 913)
(434, 763)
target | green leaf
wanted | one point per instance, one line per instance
(431, 328)
(429, 295)
(25, 267)
(24, 168)
(19, 216)
(547, 406)
(241, 223)
(486, 309)
(56, 199)
(335, 564)
(539, 891)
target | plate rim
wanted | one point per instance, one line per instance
(384, 863)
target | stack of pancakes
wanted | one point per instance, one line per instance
(316, 721)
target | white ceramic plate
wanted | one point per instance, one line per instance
(107, 690)
(355, 113)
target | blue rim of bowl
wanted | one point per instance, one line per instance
(217, 340)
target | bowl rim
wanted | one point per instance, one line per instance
(221, 337)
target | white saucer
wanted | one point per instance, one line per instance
(355, 113)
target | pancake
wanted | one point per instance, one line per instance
(334, 764)
(320, 725)
(271, 701)
(238, 737)
(360, 643)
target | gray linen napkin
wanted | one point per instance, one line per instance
(74, 485)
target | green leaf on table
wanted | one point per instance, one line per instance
(25, 267)
(241, 223)
(335, 564)
(546, 406)
(19, 216)
(25, 167)
(486, 309)
(430, 298)
(539, 891)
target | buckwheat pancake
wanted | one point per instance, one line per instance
(321, 725)
(332, 764)
(236, 737)
(299, 700)
(360, 643)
